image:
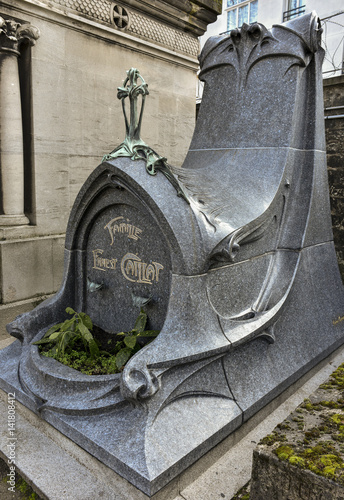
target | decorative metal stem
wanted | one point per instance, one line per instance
(133, 146)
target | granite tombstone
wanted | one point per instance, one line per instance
(231, 256)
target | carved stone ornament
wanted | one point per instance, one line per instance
(120, 17)
(13, 34)
(242, 281)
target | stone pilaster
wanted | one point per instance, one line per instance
(12, 35)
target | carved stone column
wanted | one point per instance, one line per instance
(12, 35)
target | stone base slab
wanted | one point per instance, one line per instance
(13, 220)
(42, 452)
(30, 268)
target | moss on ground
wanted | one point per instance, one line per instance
(243, 493)
(315, 432)
(22, 491)
(312, 436)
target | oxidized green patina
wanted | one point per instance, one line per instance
(133, 146)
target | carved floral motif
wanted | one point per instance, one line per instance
(13, 34)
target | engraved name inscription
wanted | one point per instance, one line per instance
(100, 262)
(120, 226)
(133, 269)
(131, 265)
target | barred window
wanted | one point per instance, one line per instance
(240, 12)
(295, 8)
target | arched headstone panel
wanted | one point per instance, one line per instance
(127, 266)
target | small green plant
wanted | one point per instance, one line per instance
(59, 336)
(126, 347)
(72, 343)
(26, 492)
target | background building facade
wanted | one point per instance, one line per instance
(61, 63)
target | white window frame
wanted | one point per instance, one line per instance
(301, 3)
(236, 7)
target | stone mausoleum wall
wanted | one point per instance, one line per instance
(69, 72)
(334, 127)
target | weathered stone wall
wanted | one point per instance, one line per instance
(273, 479)
(302, 458)
(79, 60)
(334, 106)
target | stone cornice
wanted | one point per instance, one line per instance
(190, 16)
(145, 34)
(174, 24)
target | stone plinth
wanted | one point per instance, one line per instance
(42, 451)
(276, 480)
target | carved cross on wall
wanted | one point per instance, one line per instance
(120, 17)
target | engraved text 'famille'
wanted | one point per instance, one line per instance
(118, 225)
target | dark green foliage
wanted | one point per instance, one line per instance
(72, 343)
(59, 336)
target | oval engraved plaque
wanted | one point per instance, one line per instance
(128, 267)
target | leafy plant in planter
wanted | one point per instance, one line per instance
(72, 343)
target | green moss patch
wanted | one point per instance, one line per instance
(312, 437)
(243, 493)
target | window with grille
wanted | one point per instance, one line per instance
(240, 12)
(295, 8)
